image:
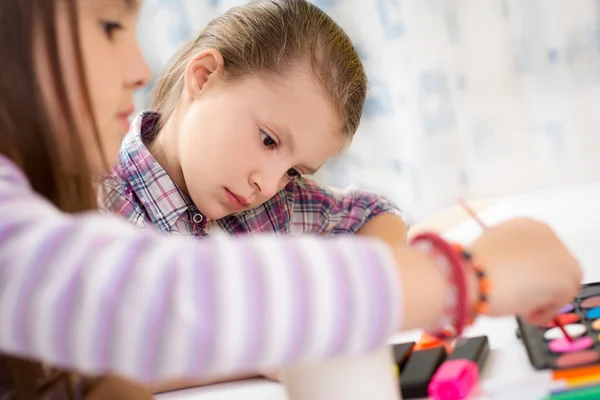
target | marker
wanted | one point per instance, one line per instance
(590, 393)
(582, 381)
(541, 385)
(576, 372)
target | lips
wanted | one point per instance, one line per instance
(236, 202)
(126, 112)
(123, 118)
(240, 199)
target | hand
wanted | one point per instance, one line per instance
(532, 273)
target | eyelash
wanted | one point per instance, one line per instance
(291, 173)
(110, 27)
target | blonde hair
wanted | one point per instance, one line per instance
(269, 36)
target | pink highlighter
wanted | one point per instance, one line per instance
(454, 380)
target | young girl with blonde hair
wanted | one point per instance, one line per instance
(264, 96)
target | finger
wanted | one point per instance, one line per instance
(572, 275)
(573, 266)
(575, 279)
(578, 272)
(567, 295)
(542, 316)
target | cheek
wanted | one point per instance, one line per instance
(105, 100)
(196, 148)
(219, 145)
(109, 130)
(209, 131)
(105, 89)
(105, 84)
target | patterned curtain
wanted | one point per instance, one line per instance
(467, 97)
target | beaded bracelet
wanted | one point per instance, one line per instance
(456, 312)
(483, 283)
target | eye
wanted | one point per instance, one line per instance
(267, 140)
(110, 28)
(293, 173)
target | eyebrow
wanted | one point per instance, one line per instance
(131, 4)
(128, 5)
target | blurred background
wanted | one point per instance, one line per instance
(474, 98)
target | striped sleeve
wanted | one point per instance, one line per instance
(91, 293)
(326, 210)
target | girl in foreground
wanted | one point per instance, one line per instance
(86, 292)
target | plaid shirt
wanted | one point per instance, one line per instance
(140, 190)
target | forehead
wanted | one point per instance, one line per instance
(294, 102)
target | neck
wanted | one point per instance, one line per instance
(164, 148)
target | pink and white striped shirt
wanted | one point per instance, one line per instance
(91, 293)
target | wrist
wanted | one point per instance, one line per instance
(472, 291)
(450, 261)
(424, 289)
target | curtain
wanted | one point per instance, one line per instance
(467, 97)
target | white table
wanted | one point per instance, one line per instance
(573, 212)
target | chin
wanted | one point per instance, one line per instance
(215, 212)
(212, 208)
(101, 167)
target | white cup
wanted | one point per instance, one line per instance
(367, 376)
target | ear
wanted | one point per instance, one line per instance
(207, 64)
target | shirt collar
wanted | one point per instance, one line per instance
(162, 199)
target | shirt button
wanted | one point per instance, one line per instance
(198, 218)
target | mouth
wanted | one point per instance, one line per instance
(123, 117)
(236, 201)
(125, 113)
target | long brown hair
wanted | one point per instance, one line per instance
(27, 131)
(268, 36)
(29, 137)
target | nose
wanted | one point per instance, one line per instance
(267, 184)
(137, 73)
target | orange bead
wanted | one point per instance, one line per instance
(484, 285)
(481, 308)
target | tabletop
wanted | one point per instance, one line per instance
(573, 212)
